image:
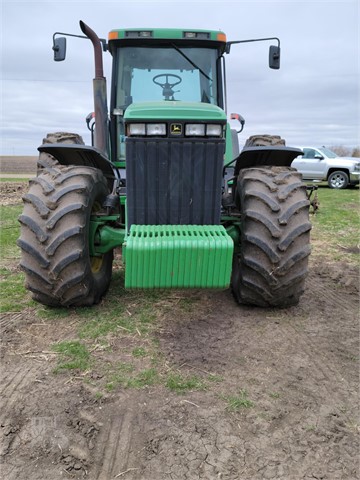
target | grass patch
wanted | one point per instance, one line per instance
(215, 378)
(14, 179)
(13, 294)
(52, 313)
(181, 384)
(336, 225)
(274, 394)
(145, 378)
(237, 402)
(73, 356)
(105, 324)
(139, 352)
(9, 232)
(126, 376)
(114, 315)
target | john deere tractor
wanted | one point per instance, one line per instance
(165, 182)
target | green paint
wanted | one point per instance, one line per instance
(229, 155)
(233, 231)
(102, 237)
(177, 256)
(172, 110)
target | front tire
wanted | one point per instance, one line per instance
(338, 180)
(55, 237)
(271, 263)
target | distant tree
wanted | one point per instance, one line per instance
(341, 150)
(356, 152)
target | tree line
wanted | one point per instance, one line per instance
(345, 151)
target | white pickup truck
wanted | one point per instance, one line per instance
(322, 164)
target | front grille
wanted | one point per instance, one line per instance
(174, 181)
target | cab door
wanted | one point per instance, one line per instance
(312, 164)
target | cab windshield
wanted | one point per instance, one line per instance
(166, 73)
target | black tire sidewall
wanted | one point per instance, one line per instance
(103, 276)
(55, 237)
(280, 294)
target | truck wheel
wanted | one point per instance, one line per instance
(338, 180)
(271, 263)
(55, 237)
(47, 161)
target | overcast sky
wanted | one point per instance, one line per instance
(312, 100)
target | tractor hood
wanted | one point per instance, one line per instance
(173, 110)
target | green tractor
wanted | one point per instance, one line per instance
(164, 180)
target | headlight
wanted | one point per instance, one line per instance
(142, 129)
(136, 129)
(156, 129)
(213, 130)
(195, 130)
(357, 167)
(203, 130)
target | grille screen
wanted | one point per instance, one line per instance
(174, 181)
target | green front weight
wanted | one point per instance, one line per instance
(178, 256)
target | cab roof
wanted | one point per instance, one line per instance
(167, 34)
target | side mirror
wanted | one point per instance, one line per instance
(319, 157)
(274, 57)
(59, 48)
(240, 119)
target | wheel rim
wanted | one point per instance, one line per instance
(96, 263)
(338, 181)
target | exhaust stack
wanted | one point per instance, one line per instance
(100, 93)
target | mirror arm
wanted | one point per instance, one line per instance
(55, 48)
(228, 44)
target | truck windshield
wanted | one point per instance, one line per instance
(193, 70)
(328, 153)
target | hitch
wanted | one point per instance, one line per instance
(312, 195)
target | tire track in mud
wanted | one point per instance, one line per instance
(325, 327)
(333, 297)
(9, 320)
(13, 384)
(323, 372)
(316, 340)
(328, 407)
(115, 438)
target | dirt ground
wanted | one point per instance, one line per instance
(299, 367)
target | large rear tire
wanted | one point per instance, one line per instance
(55, 237)
(48, 161)
(265, 141)
(271, 263)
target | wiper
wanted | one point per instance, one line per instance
(191, 62)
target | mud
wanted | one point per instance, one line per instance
(297, 368)
(11, 192)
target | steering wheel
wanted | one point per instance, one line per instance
(167, 86)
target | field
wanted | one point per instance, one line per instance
(185, 385)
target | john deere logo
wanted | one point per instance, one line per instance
(176, 129)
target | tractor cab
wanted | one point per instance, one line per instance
(163, 70)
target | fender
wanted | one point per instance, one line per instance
(265, 156)
(81, 155)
